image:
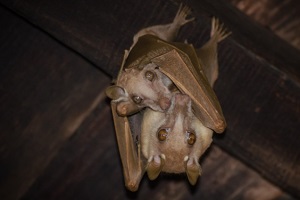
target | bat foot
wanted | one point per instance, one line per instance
(155, 165)
(218, 30)
(181, 16)
(193, 169)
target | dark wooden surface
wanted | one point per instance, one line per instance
(257, 39)
(47, 90)
(282, 17)
(101, 30)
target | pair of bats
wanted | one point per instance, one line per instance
(163, 105)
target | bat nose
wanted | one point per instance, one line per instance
(125, 108)
(164, 103)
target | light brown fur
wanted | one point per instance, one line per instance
(178, 154)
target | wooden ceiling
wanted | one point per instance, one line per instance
(57, 138)
(281, 17)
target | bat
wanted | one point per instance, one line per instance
(156, 75)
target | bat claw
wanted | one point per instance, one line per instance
(155, 165)
(193, 169)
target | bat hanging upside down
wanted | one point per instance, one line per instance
(163, 96)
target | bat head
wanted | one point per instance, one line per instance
(175, 137)
(174, 141)
(138, 88)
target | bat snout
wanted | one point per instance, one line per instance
(164, 103)
(126, 108)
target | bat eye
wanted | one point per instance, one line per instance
(149, 75)
(191, 138)
(162, 134)
(137, 99)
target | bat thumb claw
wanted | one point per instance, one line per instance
(132, 186)
(220, 126)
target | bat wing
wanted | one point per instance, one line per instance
(180, 63)
(133, 166)
(205, 104)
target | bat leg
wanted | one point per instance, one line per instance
(192, 168)
(208, 52)
(181, 17)
(155, 165)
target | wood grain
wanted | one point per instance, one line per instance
(262, 116)
(282, 17)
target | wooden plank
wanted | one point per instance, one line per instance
(88, 167)
(263, 114)
(254, 37)
(260, 103)
(282, 17)
(102, 30)
(46, 92)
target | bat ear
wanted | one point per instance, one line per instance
(192, 170)
(115, 92)
(154, 168)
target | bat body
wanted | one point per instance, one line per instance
(167, 87)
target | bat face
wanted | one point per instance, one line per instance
(139, 88)
(174, 141)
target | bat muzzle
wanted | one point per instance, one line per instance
(164, 103)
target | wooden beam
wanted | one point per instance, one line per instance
(256, 38)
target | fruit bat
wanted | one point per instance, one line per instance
(159, 81)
